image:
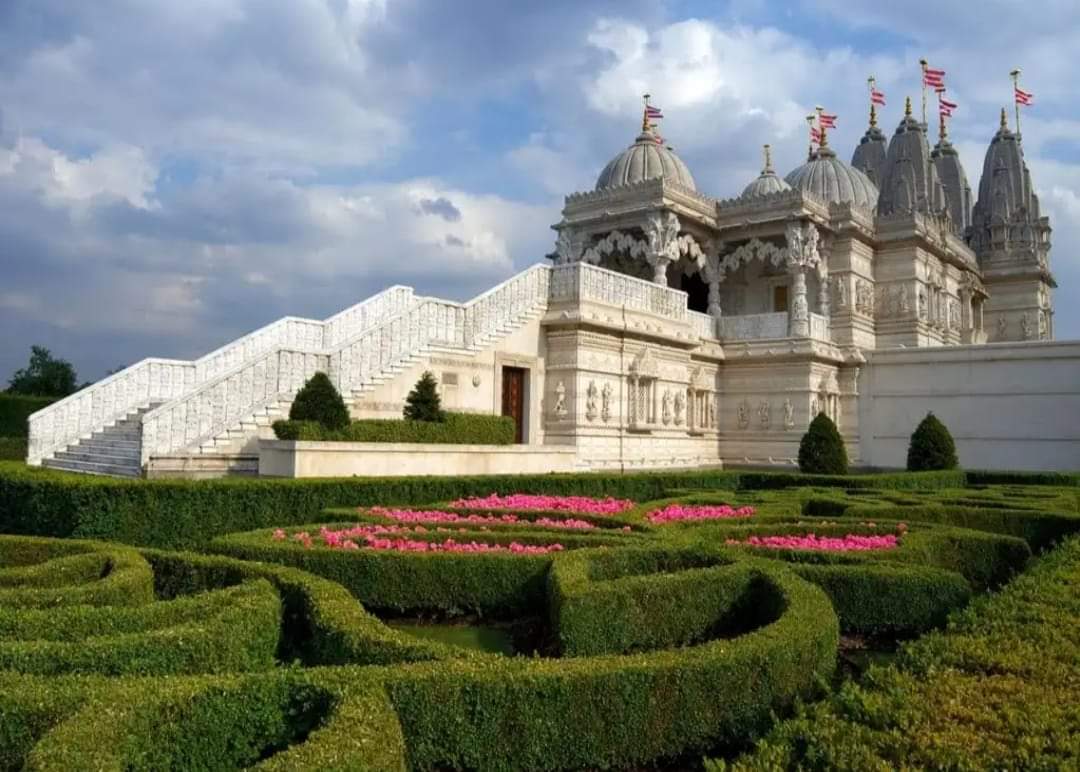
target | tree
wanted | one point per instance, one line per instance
(45, 376)
(931, 447)
(821, 450)
(423, 403)
(319, 401)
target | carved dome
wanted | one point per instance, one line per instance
(646, 159)
(767, 183)
(827, 177)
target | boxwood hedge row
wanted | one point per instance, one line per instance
(457, 428)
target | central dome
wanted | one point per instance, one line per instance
(827, 177)
(646, 159)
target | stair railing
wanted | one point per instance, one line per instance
(159, 380)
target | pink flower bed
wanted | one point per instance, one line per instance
(389, 537)
(434, 516)
(682, 512)
(579, 504)
(850, 543)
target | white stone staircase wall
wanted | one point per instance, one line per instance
(228, 414)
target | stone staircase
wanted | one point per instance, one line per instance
(113, 450)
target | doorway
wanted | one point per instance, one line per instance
(513, 399)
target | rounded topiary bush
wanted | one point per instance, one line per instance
(821, 450)
(319, 401)
(931, 447)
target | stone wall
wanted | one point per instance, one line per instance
(1008, 406)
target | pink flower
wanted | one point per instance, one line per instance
(279, 534)
(677, 512)
(850, 543)
(434, 516)
(579, 504)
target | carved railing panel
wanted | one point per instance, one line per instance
(580, 281)
(704, 325)
(754, 326)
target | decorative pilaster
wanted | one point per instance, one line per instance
(714, 274)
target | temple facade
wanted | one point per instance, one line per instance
(669, 329)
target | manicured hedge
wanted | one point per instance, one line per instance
(457, 428)
(618, 711)
(322, 623)
(241, 636)
(975, 477)
(15, 409)
(999, 688)
(228, 723)
(1038, 528)
(177, 514)
(497, 583)
(90, 574)
(635, 608)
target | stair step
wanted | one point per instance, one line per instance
(109, 470)
(107, 445)
(97, 457)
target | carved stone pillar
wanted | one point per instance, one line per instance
(662, 243)
(713, 273)
(802, 255)
(824, 307)
(799, 322)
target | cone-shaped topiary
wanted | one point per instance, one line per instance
(423, 403)
(821, 450)
(931, 447)
(319, 401)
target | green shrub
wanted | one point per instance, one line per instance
(15, 409)
(320, 402)
(931, 447)
(458, 428)
(821, 450)
(423, 403)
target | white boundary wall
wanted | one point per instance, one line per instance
(1007, 405)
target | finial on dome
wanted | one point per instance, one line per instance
(871, 81)
(767, 169)
(645, 114)
(941, 128)
(1004, 120)
(907, 107)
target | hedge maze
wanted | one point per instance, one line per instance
(688, 616)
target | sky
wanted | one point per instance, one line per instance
(175, 174)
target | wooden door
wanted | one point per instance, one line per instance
(513, 399)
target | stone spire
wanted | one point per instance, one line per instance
(909, 180)
(953, 180)
(869, 155)
(1006, 221)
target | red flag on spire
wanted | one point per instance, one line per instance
(1023, 97)
(653, 112)
(827, 121)
(934, 78)
(816, 134)
(877, 98)
(945, 107)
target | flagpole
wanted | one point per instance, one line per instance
(923, 64)
(810, 128)
(941, 121)
(821, 127)
(871, 82)
(1015, 74)
(645, 114)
